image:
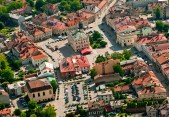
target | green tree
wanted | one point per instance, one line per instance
(118, 69)
(96, 35)
(31, 3)
(75, 5)
(100, 58)
(3, 9)
(2, 2)
(32, 104)
(7, 75)
(23, 114)
(157, 12)
(33, 115)
(117, 55)
(39, 4)
(54, 85)
(103, 43)
(127, 54)
(81, 25)
(2, 25)
(166, 27)
(93, 73)
(49, 112)
(14, 5)
(3, 65)
(2, 106)
(159, 26)
(17, 112)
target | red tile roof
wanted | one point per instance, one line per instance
(5, 111)
(75, 18)
(163, 58)
(102, 4)
(150, 84)
(121, 88)
(70, 63)
(28, 49)
(152, 39)
(163, 46)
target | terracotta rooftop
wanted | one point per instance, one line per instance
(121, 88)
(151, 39)
(101, 5)
(150, 84)
(28, 49)
(163, 58)
(163, 46)
(91, 1)
(38, 85)
(96, 104)
(69, 64)
(5, 111)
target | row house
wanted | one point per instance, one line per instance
(149, 87)
(39, 19)
(74, 66)
(39, 33)
(96, 7)
(96, 108)
(164, 9)
(154, 50)
(147, 40)
(135, 66)
(144, 3)
(22, 11)
(128, 29)
(78, 40)
(39, 90)
(28, 52)
(161, 110)
(73, 19)
(51, 9)
(58, 27)
(105, 95)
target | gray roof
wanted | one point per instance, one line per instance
(77, 35)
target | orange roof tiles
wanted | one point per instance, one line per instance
(150, 84)
(39, 56)
(156, 38)
(101, 5)
(163, 58)
(70, 63)
(121, 88)
(5, 111)
(28, 49)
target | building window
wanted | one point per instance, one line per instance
(33, 95)
(43, 93)
(50, 92)
(38, 94)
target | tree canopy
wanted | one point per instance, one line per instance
(39, 4)
(157, 12)
(118, 69)
(96, 40)
(159, 26)
(93, 73)
(70, 5)
(32, 104)
(54, 85)
(100, 58)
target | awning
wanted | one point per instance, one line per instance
(86, 51)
